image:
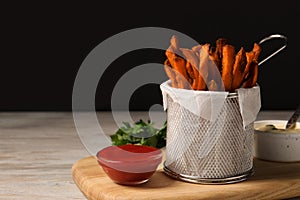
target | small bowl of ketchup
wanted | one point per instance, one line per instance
(129, 164)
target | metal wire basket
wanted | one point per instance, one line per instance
(202, 151)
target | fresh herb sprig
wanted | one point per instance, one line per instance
(142, 133)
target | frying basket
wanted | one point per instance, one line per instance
(211, 152)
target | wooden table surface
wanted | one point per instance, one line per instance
(38, 149)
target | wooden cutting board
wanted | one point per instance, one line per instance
(271, 180)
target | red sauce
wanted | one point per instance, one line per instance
(129, 164)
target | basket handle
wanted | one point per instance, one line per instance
(271, 37)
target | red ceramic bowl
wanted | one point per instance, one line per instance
(129, 164)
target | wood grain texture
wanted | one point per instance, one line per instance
(270, 181)
(37, 151)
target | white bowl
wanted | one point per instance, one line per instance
(280, 147)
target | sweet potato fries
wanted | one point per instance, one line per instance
(213, 68)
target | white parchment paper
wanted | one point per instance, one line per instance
(250, 103)
(208, 104)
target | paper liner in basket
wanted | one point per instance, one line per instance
(208, 104)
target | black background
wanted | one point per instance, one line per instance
(44, 43)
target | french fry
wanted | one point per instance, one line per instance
(199, 83)
(203, 67)
(250, 58)
(256, 49)
(228, 57)
(213, 70)
(191, 65)
(190, 56)
(253, 66)
(213, 55)
(220, 43)
(170, 73)
(190, 71)
(181, 74)
(178, 64)
(239, 68)
(174, 42)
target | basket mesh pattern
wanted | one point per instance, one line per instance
(231, 150)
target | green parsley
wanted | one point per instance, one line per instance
(141, 133)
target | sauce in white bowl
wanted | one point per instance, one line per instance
(273, 142)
